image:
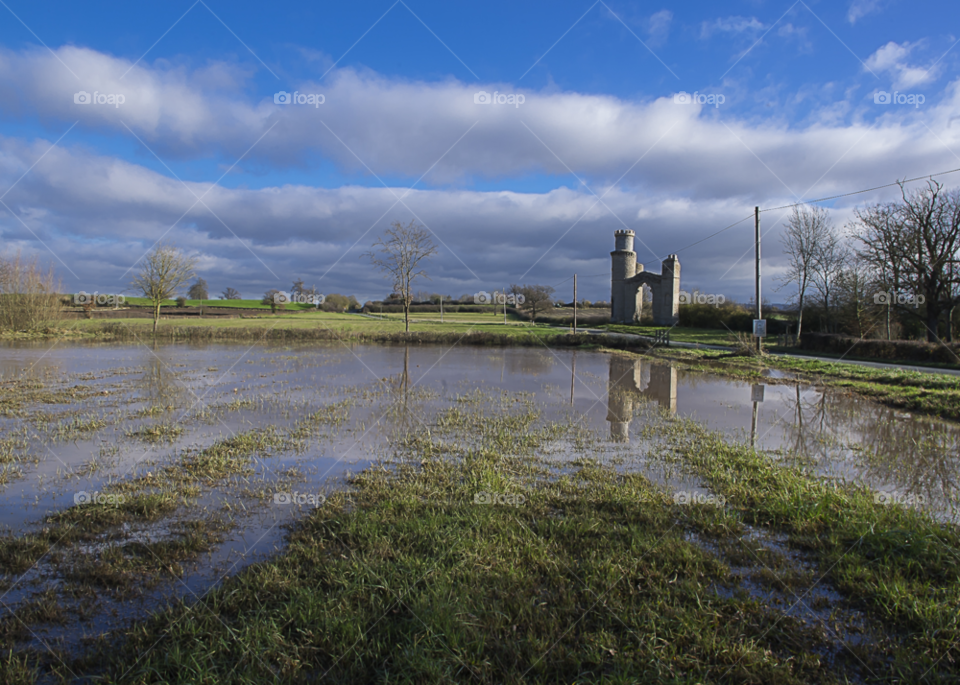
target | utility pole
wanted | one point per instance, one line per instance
(756, 223)
(441, 309)
(504, 305)
(574, 304)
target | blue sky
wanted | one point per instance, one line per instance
(529, 192)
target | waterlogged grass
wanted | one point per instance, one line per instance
(898, 564)
(468, 560)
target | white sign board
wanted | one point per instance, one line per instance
(759, 328)
(756, 393)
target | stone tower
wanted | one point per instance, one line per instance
(628, 278)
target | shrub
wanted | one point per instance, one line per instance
(28, 294)
(181, 301)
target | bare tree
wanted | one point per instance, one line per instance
(831, 258)
(230, 294)
(163, 272)
(854, 295)
(28, 294)
(198, 291)
(537, 297)
(805, 229)
(401, 250)
(882, 247)
(920, 237)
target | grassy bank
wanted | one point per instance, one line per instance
(468, 559)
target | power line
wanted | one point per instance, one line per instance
(749, 216)
(858, 192)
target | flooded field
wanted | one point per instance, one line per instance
(131, 475)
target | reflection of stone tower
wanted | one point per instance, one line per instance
(629, 379)
(624, 385)
(627, 281)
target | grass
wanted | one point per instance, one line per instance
(703, 336)
(903, 567)
(582, 574)
(226, 304)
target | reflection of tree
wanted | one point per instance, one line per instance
(911, 454)
(630, 379)
(160, 383)
(405, 411)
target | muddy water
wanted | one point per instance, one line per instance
(198, 394)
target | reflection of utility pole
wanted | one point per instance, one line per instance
(756, 394)
(573, 375)
(406, 371)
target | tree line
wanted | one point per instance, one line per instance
(891, 272)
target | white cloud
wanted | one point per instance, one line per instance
(658, 26)
(861, 8)
(892, 60)
(730, 25)
(692, 173)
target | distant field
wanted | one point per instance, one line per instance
(229, 304)
(313, 320)
(704, 336)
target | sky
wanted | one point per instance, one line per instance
(273, 141)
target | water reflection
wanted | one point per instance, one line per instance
(630, 379)
(837, 434)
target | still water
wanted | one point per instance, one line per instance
(75, 418)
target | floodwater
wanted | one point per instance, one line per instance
(197, 394)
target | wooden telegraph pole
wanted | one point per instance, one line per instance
(756, 223)
(574, 304)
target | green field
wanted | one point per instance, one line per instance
(226, 304)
